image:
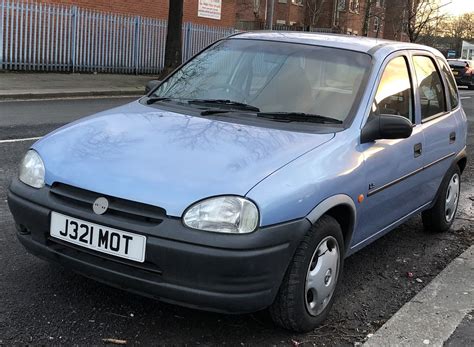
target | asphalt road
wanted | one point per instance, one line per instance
(42, 303)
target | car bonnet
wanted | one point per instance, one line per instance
(167, 159)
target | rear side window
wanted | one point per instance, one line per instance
(452, 88)
(430, 87)
(394, 94)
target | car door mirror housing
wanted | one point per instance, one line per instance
(151, 85)
(387, 127)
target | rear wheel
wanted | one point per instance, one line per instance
(441, 216)
(307, 291)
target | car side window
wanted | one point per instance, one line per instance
(430, 87)
(395, 93)
(452, 88)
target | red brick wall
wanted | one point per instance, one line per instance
(288, 12)
(155, 9)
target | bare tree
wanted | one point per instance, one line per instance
(173, 54)
(433, 31)
(457, 29)
(461, 27)
(313, 9)
(417, 15)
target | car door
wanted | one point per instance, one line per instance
(442, 139)
(392, 166)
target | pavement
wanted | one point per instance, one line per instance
(433, 316)
(17, 85)
(44, 304)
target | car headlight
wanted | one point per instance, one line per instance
(32, 170)
(223, 214)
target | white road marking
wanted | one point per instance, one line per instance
(20, 140)
(466, 97)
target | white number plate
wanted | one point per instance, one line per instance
(98, 237)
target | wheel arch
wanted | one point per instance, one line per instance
(342, 208)
(462, 163)
(461, 159)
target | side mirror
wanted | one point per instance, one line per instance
(386, 126)
(151, 85)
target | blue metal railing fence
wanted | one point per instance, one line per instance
(47, 37)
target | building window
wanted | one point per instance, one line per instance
(297, 2)
(341, 6)
(354, 6)
(376, 24)
(281, 22)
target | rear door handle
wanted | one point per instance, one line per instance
(417, 149)
(452, 137)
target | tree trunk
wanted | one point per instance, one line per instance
(366, 26)
(173, 54)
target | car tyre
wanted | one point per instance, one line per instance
(307, 292)
(440, 217)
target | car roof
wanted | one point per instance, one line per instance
(354, 43)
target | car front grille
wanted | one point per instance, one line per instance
(120, 208)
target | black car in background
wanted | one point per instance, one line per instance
(463, 71)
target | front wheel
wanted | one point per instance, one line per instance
(440, 217)
(307, 291)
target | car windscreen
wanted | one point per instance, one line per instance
(273, 76)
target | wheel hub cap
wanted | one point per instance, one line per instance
(322, 276)
(452, 198)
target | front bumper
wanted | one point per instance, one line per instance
(216, 272)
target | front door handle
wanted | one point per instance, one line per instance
(417, 150)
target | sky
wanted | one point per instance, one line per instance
(458, 7)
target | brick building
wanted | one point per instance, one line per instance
(395, 21)
(159, 9)
(361, 17)
(256, 14)
(373, 18)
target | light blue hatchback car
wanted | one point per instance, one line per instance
(243, 180)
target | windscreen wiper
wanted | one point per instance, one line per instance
(298, 117)
(152, 100)
(224, 102)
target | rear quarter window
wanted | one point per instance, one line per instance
(452, 87)
(430, 87)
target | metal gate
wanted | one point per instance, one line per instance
(47, 37)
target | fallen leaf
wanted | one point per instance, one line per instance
(115, 341)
